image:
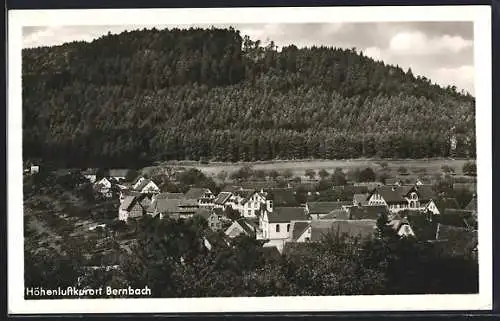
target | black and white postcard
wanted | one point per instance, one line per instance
(249, 160)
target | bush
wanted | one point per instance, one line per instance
(470, 169)
(366, 175)
(402, 170)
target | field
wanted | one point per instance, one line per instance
(298, 167)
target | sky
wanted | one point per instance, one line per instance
(440, 51)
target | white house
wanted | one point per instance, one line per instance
(131, 207)
(147, 186)
(222, 201)
(276, 225)
(250, 203)
(398, 198)
(138, 182)
(105, 186)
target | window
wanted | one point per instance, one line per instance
(277, 228)
(288, 227)
(307, 239)
(249, 213)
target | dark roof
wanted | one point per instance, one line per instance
(326, 207)
(340, 214)
(424, 226)
(472, 206)
(353, 228)
(165, 206)
(367, 212)
(143, 184)
(281, 197)
(216, 240)
(361, 198)
(425, 193)
(127, 203)
(447, 202)
(298, 228)
(457, 218)
(196, 193)
(245, 193)
(118, 172)
(222, 198)
(270, 252)
(248, 227)
(287, 214)
(393, 194)
(170, 196)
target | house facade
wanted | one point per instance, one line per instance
(131, 207)
(276, 225)
(251, 204)
(399, 198)
(203, 196)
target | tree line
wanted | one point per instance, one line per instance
(149, 95)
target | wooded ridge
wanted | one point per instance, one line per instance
(141, 96)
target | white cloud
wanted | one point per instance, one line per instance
(461, 77)
(417, 43)
(373, 52)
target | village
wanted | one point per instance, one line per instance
(297, 212)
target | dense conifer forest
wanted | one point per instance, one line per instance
(214, 94)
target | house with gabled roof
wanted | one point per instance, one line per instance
(241, 226)
(203, 196)
(399, 198)
(318, 210)
(447, 202)
(276, 225)
(223, 200)
(280, 197)
(173, 208)
(147, 186)
(401, 226)
(339, 214)
(105, 186)
(131, 207)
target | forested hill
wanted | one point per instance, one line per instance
(142, 96)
